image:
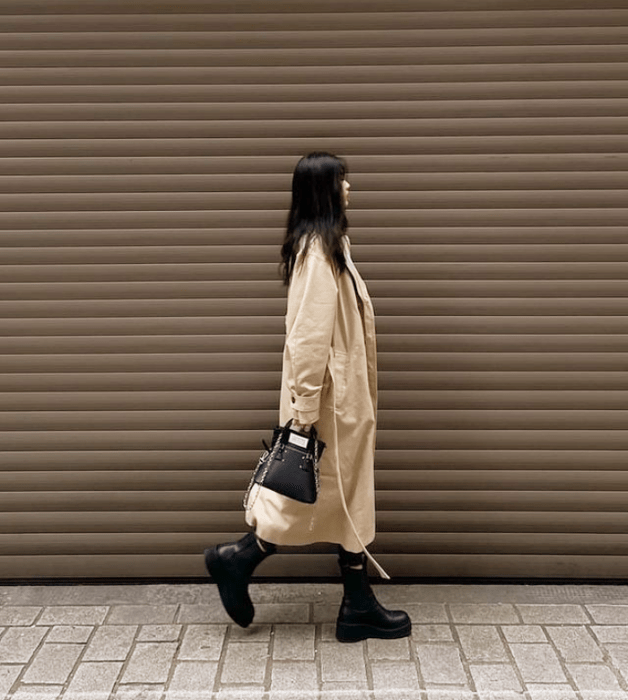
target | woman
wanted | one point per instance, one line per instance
(329, 379)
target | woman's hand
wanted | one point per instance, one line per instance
(301, 427)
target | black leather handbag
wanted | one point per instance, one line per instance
(290, 465)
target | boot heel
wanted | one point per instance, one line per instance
(346, 632)
(351, 633)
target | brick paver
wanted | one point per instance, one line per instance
(38, 692)
(440, 664)
(388, 649)
(481, 643)
(53, 663)
(432, 633)
(111, 643)
(202, 643)
(524, 633)
(192, 677)
(395, 675)
(18, 615)
(295, 679)
(495, 678)
(150, 662)
(18, 644)
(94, 677)
(245, 662)
(538, 663)
(73, 615)
(8, 676)
(551, 692)
(575, 644)
(139, 691)
(78, 634)
(619, 656)
(553, 614)
(343, 662)
(593, 677)
(159, 633)
(142, 614)
(294, 643)
(482, 614)
(529, 643)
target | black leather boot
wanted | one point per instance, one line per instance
(231, 566)
(361, 615)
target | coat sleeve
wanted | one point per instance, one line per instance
(311, 319)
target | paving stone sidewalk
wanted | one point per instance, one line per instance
(173, 641)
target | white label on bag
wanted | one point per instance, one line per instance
(299, 440)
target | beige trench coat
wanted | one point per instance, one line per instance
(330, 379)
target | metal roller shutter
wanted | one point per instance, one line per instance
(146, 151)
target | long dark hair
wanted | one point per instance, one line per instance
(317, 209)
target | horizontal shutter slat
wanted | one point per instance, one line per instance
(418, 307)
(388, 521)
(343, 18)
(233, 146)
(266, 271)
(270, 289)
(97, 567)
(80, 460)
(158, 521)
(502, 501)
(302, 37)
(286, 75)
(504, 522)
(113, 459)
(281, 164)
(227, 201)
(180, 521)
(267, 255)
(560, 183)
(369, 237)
(498, 439)
(273, 219)
(316, 56)
(429, 543)
(89, 8)
(116, 501)
(274, 325)
(259, 419)
(271, 362)
(147, 381)
(389, 400)
(522, 89)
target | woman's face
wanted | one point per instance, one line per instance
(345, 192)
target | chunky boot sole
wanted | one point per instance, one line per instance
(355, 632)
(223, 580)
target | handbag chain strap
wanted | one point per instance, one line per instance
(317, 472)
(269, 454)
